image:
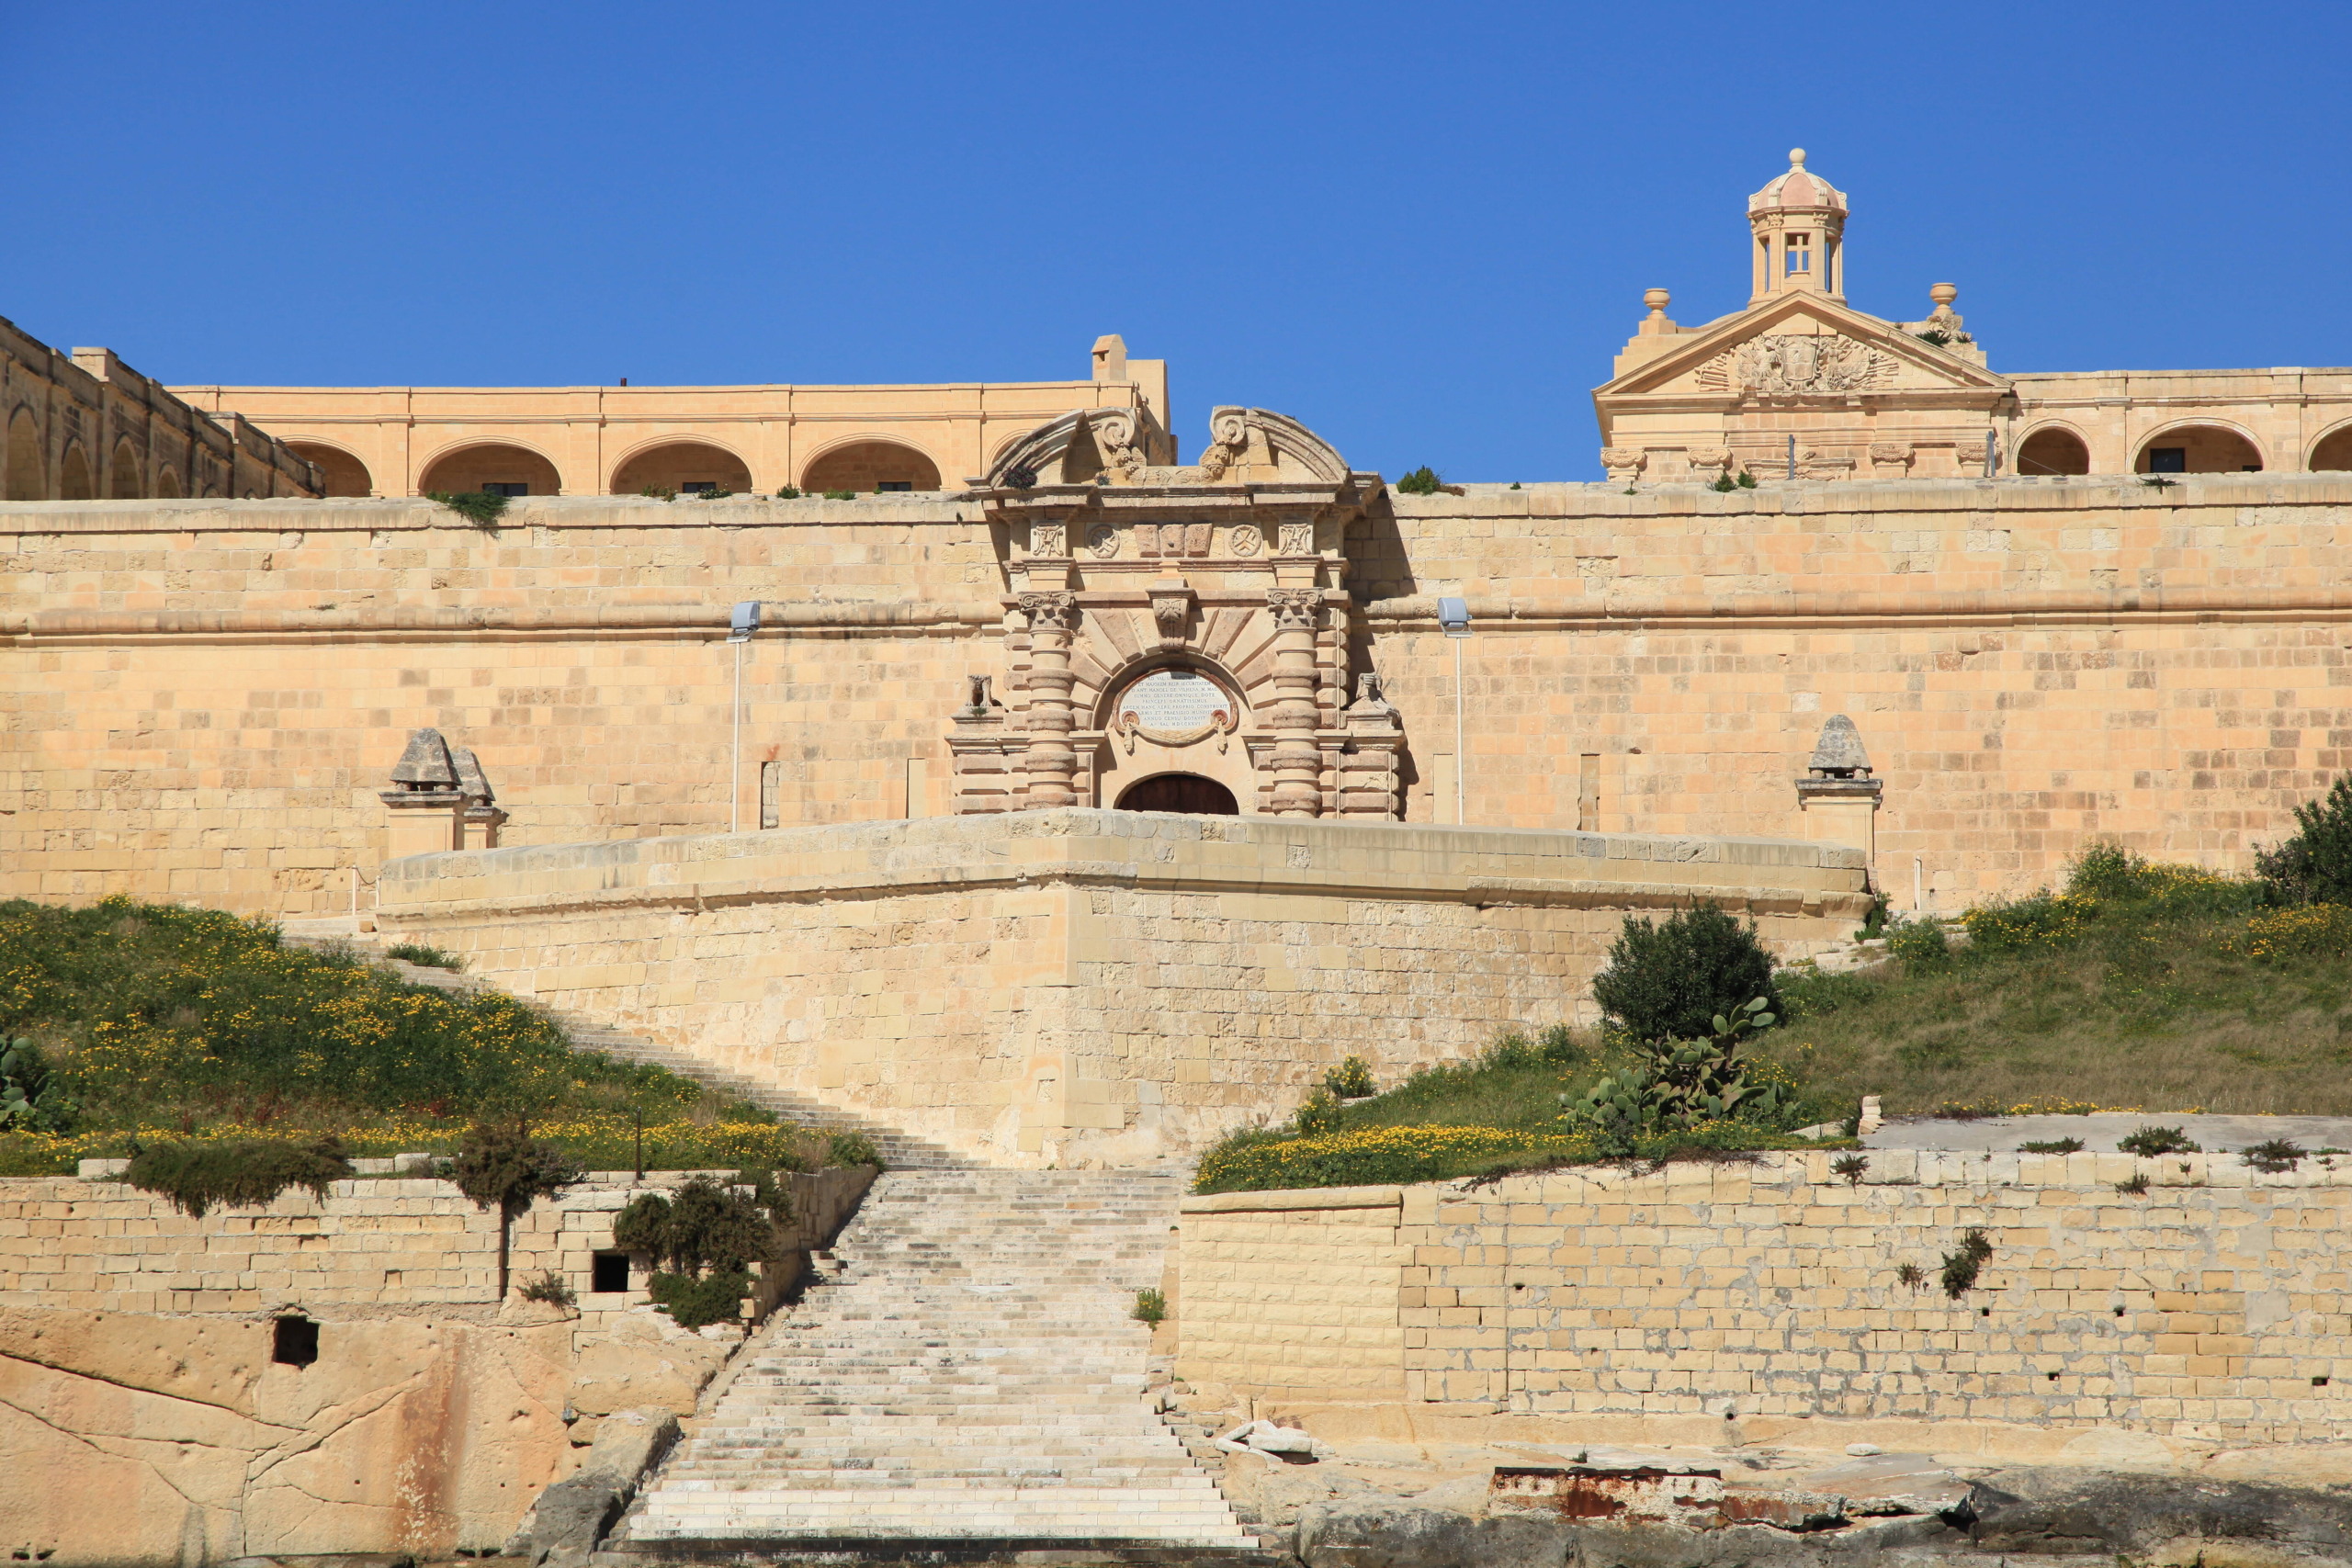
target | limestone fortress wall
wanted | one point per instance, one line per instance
(206, 696)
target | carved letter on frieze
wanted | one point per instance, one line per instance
(1048, 539)
(1246, 540)
(1298, 538)
(1104, 540)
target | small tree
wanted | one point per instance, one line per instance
(1671, 981)
(703, 1239)
(503, 1165)
(2315, 865)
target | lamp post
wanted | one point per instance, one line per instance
(739, 627)
(1453, 616)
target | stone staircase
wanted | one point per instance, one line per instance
(900, 1150)
(969, 1382)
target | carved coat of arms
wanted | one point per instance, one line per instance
(1786, 364)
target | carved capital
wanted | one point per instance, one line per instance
(1294, 608)
(1059, 611)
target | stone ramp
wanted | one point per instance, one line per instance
(968, 1384)
(900, 1150)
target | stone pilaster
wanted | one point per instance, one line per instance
(1298, 760)
(1050, 762)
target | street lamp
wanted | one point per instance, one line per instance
(739, 627)
(1453, 617)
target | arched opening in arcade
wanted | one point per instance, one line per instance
(73, 481)
(2333, 452)
(868, 466)
(345, 475)
(123, 483)
(24, 479)
(167, 485)
(2198, 449)
(1190, 795)
(491, 465)
(2053, 450)
(683, 468)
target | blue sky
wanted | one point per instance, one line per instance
(1421, 229)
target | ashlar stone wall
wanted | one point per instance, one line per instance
(2212, 1306)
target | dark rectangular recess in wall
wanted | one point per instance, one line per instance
(608, 1273)
(294, 1341)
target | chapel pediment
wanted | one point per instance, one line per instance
(1802, 348)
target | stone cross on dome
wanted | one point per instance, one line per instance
(1799, 220)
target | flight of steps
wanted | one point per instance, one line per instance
(899, 1150)
(968, 1376)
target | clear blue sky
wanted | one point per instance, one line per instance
(1423, 229)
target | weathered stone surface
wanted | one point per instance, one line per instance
(1391, 1532)
(2042, 1510)
(645, 1362)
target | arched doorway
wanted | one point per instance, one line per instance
(2053, 450)
(24, 478)
(865, 466)
(683, 466)
(73, 481)
(494, 467)
(123, 484)
(2198, 449)
(2333, 452)
(1188, 794)
(345, 474)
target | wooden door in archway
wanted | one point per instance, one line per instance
(1188, 794)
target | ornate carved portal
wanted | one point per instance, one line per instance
(1176, 623)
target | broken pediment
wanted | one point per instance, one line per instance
(1801, 347)
(1116, 446)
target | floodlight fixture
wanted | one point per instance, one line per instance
(1453, 614)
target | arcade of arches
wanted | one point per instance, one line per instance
(2053, 450)
(481, 467)
(73, 476)
(26, 481)
(2198, 449)
(681, 466)
(870, 466)
(2333, 452)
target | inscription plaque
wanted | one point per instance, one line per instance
(1176, 702)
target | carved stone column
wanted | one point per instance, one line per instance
(1298, 785)
(1050, 762)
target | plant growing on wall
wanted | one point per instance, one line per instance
(1853, 1168)
(1151, 1307)
(246, 1173)
(1423, 480)
(1961, 1266)
(703, 1239)
(788, 492)
(1670, 981)
(476, 506)
(502, 1166)
(2149, 1141)
(2275, 1155)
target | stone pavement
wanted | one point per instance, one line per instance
(971, 1374)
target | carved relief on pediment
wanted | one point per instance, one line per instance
(1779, 364)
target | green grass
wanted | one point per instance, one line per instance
(2162, 989)
(166, 1023)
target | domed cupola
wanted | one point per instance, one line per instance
(1799, 220)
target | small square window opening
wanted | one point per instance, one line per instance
(2167, 459)
(608, 1273)
(500, 487)
(699, 487)
(294, 1341)
(895, 484)
(1800, 252)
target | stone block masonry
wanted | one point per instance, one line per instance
(1046, 987)
(2211, 1307)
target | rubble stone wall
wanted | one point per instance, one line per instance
(1049, 986)
(2212, 1305)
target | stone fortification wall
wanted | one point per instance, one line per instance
(206, 696)
(2211, 1307)
(139, 1362)
(1050, 987)
(2030, 663)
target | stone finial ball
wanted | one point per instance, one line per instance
(1943, 293)
(1796, 157)
(1656, 299)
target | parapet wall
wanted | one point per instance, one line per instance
(1080, 985)
(2211, 1307)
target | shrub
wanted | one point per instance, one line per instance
(1675, 1085)
(550, 1289)
(2109, 874)
(2045, 922)
(2310, 931)
(1853, 1168)
(1351, 1079)
(1723, 483)
(1961, 1267)
(716, 492)
(245, 1173)
(1910, 1274)
(2053, 1147)
(659, 492)
(32, 1099)
(2149, 1141)
(424, 957)
(503, 1167)
(841, 495)
(2133, 1185)
(2275, 1155)
(1557, 1046)
(788, 492)
(692, 1303)
(478, 507)
(853, 1148)
(1422, 481)
(700, 1227)
(1669, 981)
(1921, 946)
(1318, 1112)
(2315, 866)
(1151, 1307)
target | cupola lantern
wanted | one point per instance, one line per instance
(1800, 225)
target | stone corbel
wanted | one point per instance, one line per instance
(1623, 462)
(1171, 609)
(1709, 462)
(1889, 460)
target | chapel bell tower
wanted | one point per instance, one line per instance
(1800, 224)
